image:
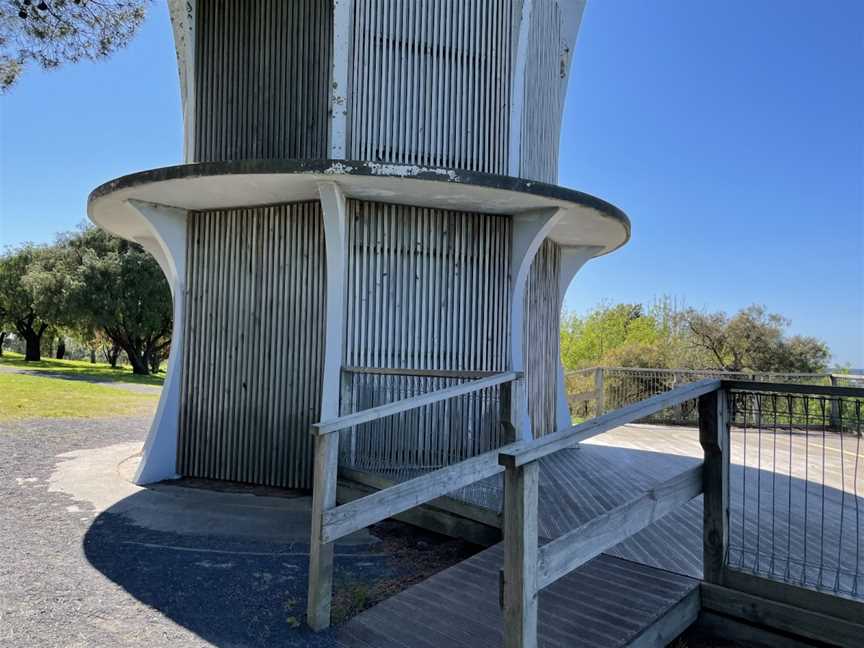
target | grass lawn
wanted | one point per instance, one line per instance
(99, 371)
(23, 396)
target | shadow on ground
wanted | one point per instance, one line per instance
(229, 590)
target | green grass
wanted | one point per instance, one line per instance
(25, 396)
(98, 372)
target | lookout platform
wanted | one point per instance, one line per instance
(646, 590)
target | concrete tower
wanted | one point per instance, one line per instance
(368, 210)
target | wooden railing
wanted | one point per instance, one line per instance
(331, 522)
(528, 568)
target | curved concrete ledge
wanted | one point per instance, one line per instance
(585, 219)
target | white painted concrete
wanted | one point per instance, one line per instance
(572, 260)
(580, 224)
(183, 24)
(167, 243)
(335, 235)
(530, 229)
(343, 11)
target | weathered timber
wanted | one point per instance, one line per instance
(406, 404)
(568, 438)
(345, 519)
(781, 616)
(566, 553)
(519, 575)
(321, 552)
(714, 438)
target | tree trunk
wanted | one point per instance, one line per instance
(92, 356)
(33, 347)
(140, 364)
(61, 349)
(111, 355)
(2, 340)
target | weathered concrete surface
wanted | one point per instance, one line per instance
(89, 560)
(101, 479)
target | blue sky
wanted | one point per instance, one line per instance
(732, 133)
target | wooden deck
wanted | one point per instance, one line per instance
(644, 590)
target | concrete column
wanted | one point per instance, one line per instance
(166, 241)
(572, 260)
(530, 229)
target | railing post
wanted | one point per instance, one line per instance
(321, 553)
(519, 576)
(835, 420)
(599, 391)
(714, 426)
(505, 413)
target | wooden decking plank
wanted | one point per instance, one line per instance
(608, 605)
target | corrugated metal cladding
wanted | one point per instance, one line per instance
(431, 83)
(542, 337)
(252, 366)
(541, 120)
(262, 72)
(427, 289)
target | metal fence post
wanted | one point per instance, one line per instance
(714, 436)
(519, 576)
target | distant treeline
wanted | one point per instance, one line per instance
(664, 336)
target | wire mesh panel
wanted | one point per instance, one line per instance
(796, 489)
(625, 386)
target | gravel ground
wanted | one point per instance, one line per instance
(71, 577)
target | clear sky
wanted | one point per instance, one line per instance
(732, 133)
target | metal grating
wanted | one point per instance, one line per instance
(542, 337)
(252, 364)
(431, 83)
(544, 94)
(259, 92)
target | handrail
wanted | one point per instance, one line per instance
(719, 372)
(785, 388)
(374, 413)
(556, 441)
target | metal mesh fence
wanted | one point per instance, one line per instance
(796, 489)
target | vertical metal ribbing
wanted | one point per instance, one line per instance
(254, 326)
(541, 122)
(542, 337)
(428, 290)
(259, 93)
(428, 83)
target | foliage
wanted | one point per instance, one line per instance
(50, 33)
(121, 291)
(754, 340)
(104, 290)
(662, 336)
(25, 396)
(586, 341)
(33, 292)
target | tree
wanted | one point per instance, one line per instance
(754, 340)
(33, 293)
(53, 32)
(120, 290)
(587, 341)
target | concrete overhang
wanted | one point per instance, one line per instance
(586, 220)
